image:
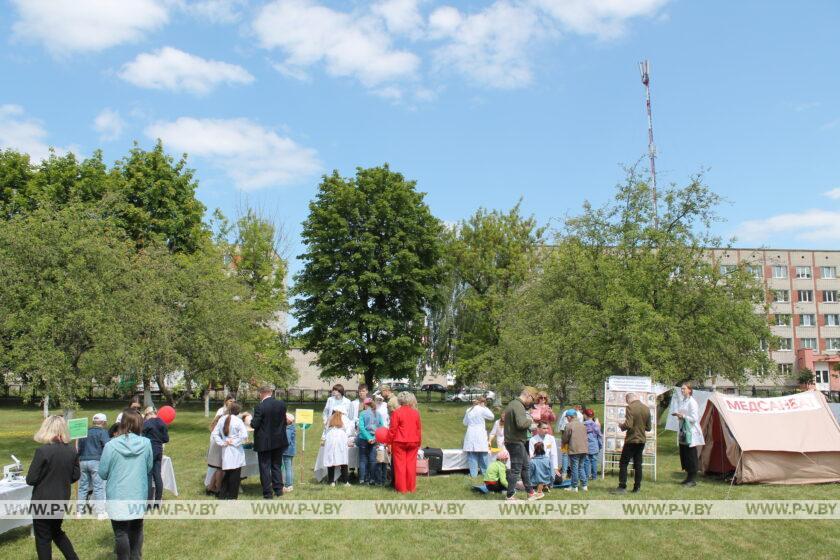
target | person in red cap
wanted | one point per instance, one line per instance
(406, 433)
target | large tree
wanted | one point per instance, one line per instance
(637, 298)
(488, 257)
(371, 268)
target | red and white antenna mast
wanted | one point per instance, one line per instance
(644, 69)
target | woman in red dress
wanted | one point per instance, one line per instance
(405, 432)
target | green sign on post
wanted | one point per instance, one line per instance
(78, 428)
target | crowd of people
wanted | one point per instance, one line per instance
(524, 447)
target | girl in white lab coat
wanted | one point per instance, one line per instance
(690, 435)
(476, 443)
(336, 447)
(230, 434)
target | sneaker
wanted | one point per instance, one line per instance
(635, 490)
(570, 489)
(288, 488)
(539, 496)
(332, 484)
(585, 488)
(690, 484)
(346, 484)
(511, 498)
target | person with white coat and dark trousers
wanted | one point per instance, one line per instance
(230, 434)
(690, 434)
(476, 443)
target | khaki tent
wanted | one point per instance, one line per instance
(781, 440)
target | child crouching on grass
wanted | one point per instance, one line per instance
(541, 473)
(495, 479)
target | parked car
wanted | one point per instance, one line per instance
(469, 394)
(432, 388)
(395, 387)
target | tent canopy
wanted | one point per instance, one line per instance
(784, 440)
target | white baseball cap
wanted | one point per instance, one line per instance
(99, 417)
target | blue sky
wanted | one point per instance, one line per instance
(481, 102)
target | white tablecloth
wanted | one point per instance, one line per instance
(167, 472)
(18, 490)
(321, 470)
(456, 460)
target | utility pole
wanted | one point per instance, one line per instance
(644, 69)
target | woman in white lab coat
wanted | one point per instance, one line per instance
(690, 435)
(476, 443)
(230, 434)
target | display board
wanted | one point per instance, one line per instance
(615, 409)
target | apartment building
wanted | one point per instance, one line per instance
(804, 287)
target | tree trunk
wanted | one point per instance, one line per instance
(161, 381)
(369, 378)
(207, 402)
(46, 406)
(68, 413)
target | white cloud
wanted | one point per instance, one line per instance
(216, 11)
(348, 45)
(253, 156)
(24, 134)
(65, 26)
(492, 46)
(807, 106)
(810, 225)
(108, 124)
(402, 17)
(833, 194)
(603, 18)
(176, 70)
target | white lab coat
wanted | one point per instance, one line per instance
(498, 431)
(550, 444)
(233, 455)
(476, 437)
(384, 415)
(353, 413)
(562, 422)
(336, 445)
(332, 404)
(688, 407)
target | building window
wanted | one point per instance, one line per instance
(785, 344)
(821, 376)
(779, 271)
(755, 271)
(803, 271)
(810, 343)
(830, 296)
(807, 320)
(828, 272)
(728, 269)
(804, 295)
(782, 320)
(832, 343)
(832, 320)
(785, 369)
(781, 296)
(762, 345)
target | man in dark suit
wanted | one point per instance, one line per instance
(269, 423)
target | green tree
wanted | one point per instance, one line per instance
(650, 300)
(489, 256)
(371, 268)
(61, 286)
(157, 200)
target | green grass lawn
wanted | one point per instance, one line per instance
(168, 539)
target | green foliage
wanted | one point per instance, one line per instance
(157, 200)
(489, 256)
(371, 267)
(110, 276)
(625, 297)
(62, 284)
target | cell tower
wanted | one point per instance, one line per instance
(644, 69)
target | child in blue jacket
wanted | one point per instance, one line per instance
(289, 454)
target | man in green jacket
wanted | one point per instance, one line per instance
(517, 424)
(636, 423)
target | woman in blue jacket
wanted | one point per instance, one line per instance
(125, 466)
